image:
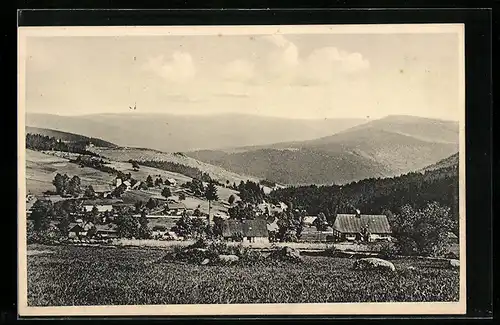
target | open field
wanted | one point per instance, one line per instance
(132, 276)
(144, 171)
(41, 169)
(125, 154)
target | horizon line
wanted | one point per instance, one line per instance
(366, 118)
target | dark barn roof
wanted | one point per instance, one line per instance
(350, 223)
(248, 228)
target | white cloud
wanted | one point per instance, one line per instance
(325, 64)
(283, 61)
(180, 68)
(321, 66)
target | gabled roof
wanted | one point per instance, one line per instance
(248, 228)
(273, 226)
(80, 225)
(74, 227)
(309, 219)
(350, 223)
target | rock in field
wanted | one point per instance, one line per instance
(228, 259)
(373, 263)
(286, 254)
(453, 264)
(205, 261)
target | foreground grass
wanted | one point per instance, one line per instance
(133, 276)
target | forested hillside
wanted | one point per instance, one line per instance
(375, 195)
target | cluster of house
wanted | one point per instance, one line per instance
(81, 229)
(347, 227)
(104, 191)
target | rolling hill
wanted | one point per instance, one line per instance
(451, 161)
(67, 136)
(172, 133)
(119, 156)
(383, 148)
(42, 167)
(142, 154)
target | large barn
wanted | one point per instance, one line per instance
(351, 227)
(250, 231)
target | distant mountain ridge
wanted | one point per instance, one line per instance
(344, 150)
(67, 136)
(172, 133)
(387, 147)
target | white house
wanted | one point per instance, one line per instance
(171, 182)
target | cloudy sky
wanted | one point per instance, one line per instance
(295, 76)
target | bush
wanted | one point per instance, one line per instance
(386, 250)
(249, 256)
(200, 243)
(332, 251)
(218, 248)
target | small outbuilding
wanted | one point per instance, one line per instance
(248, 231)
(351, 227)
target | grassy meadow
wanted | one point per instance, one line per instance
(71, 275)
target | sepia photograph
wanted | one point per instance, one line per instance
(218, 170)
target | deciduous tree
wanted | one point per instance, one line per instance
(166, 192)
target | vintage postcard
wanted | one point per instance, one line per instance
(241, 170)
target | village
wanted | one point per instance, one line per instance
(168, 204)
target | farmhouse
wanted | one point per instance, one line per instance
(162, 232)
(221, 214)
(251, 231)
(102, 191)
(352, 227)
(311, 234)
(80, 229)
(175, 207)
(171, 182)
(117, 182)
(271, 208)
(273, 226)
(138, 185)
(309, 220)
(127, 184)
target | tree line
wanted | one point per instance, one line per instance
(375, 195)
(192, 172)
(45, 143)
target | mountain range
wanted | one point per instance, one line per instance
(285, 151)
(387, 147)
(180, 133)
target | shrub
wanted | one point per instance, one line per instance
(386, 249)
(249, 256)
(218, 248)
(200, 243)
(332, 251)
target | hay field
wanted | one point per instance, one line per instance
(135, 276)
